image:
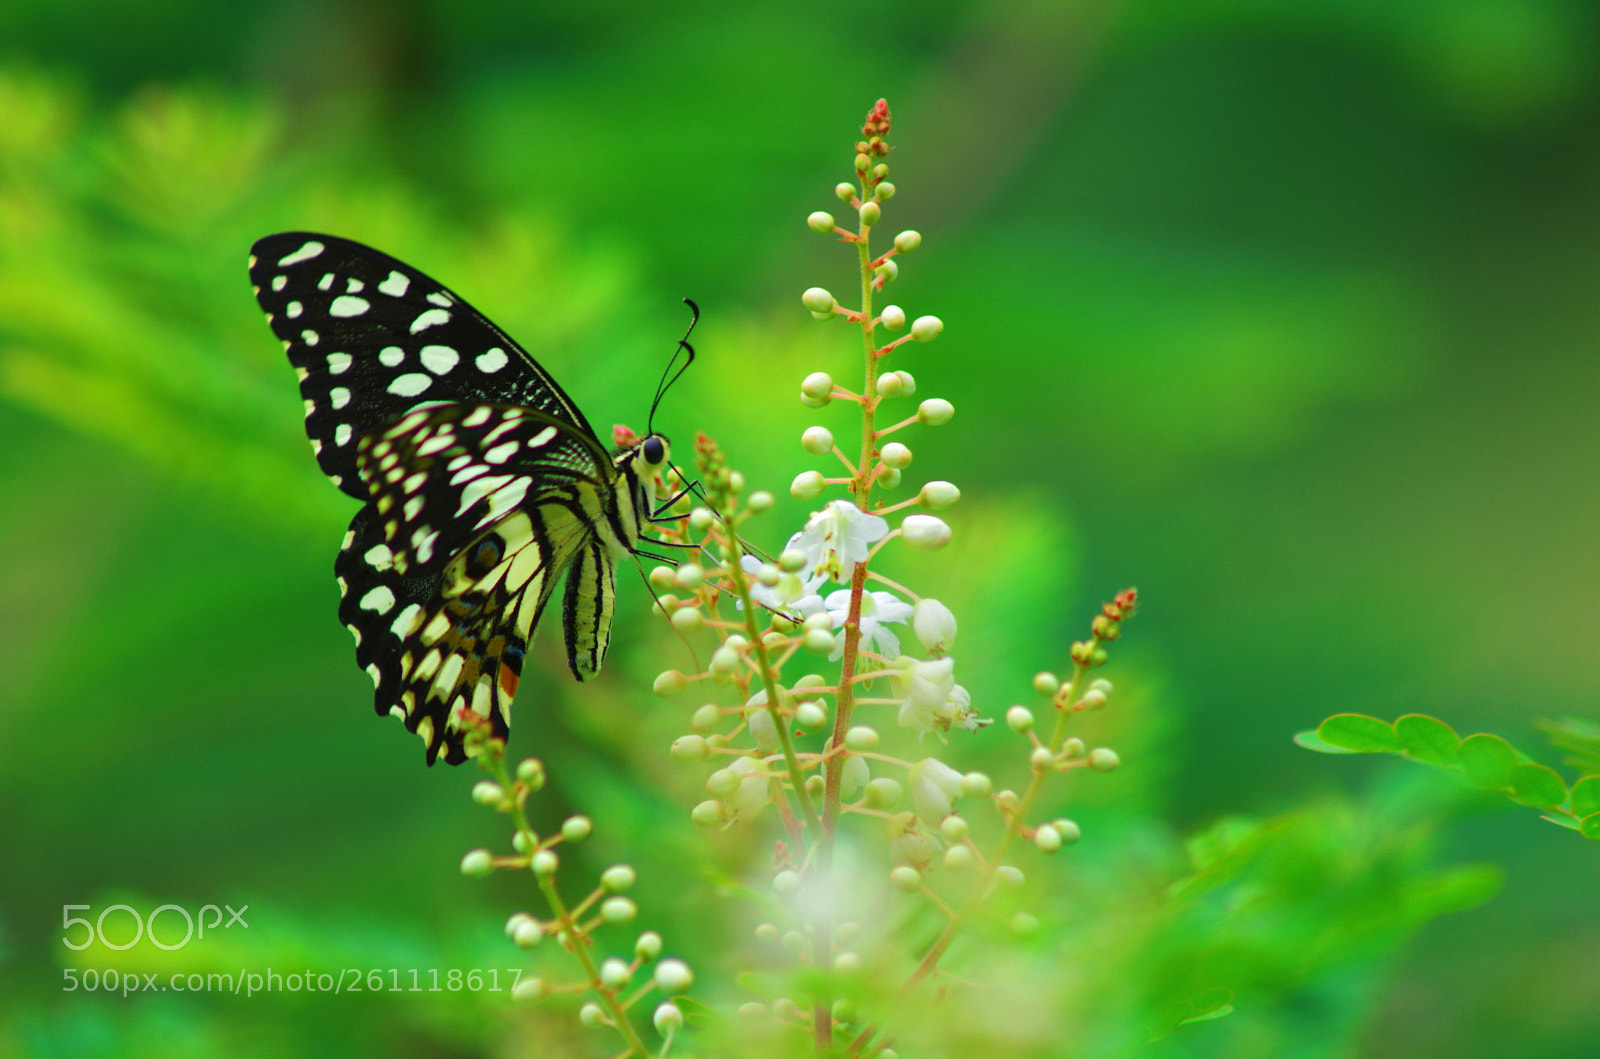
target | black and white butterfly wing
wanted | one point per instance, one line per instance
(371, 337)
(483, 483)
(475, 513)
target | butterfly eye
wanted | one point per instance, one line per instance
(654, 450)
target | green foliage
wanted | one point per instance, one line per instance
(1486, 761)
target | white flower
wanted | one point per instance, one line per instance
(934, 788)
(836, 538)
(962, 715)
(924, 689)
(793, 595)
(876, 609)
(934, 625)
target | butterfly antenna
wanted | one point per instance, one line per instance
(674, 369)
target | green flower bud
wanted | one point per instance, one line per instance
(706, 718)
(1006, 875)
(1069, 831)
(528, 934)
(591, 1016)
(477, 863)
(1019, 719)
(577, 828)
(861, 738)
(545, 863)
(708, 813)
(891, 384)
(847, 963)
(807, 485)
(1024, 925)
(936, 496)
(958, 857)
(818, 641)
(819, 301)
(760, 502)
(1046, 684)
(688, 620)
(670, 683)
(528, 989)
(889, 270)
(614, 910)
(894, 317)
(925, 533)
(619, 878)
(863, 163)
(896, 456)
(907, 241)
(810, 716)
(976, 785)
(530, 772)
(844, 191)
(818, 387)
(1103, 759)
(690, 575)
(690, 748)
(1073, 749)
(821, 222)
(883, 793)
(953, 828)
(924, 328)
(786, 882)
(488, 792)
(883, 192)
(905, 878)
(817, 440)
(648, 947)
(722, 783)
(667, 1018)
(935, 411)
(870, 214)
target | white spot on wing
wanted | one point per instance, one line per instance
(492, 360)
(379, 557)
(379, 600)
(503, 452)
(543, 437)
(431, 318)
(339, 396)
(439, 297)
(341, 434)
(410, 384)
(395, 285)
(305, 253)
(348, 305)
(354, 286)
(478, 416)
(326, 282)
(406, 622)
(391, 356)
(293, 310)
(338, 363)
(279, 282)
(439, 359)
(310, 337)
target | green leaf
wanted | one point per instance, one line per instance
(1360, 734)
(1589, 826)
(1211, 1004)
(1428, 739)
(1311, 741)
(1488, 761)
(1586, 796)
(1538, 785)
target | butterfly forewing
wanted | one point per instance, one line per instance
(371, 337)
(482, 484)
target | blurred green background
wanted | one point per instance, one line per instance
(1282, 311)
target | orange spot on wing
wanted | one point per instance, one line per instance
(508, 682)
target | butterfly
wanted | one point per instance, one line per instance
(481, 484)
